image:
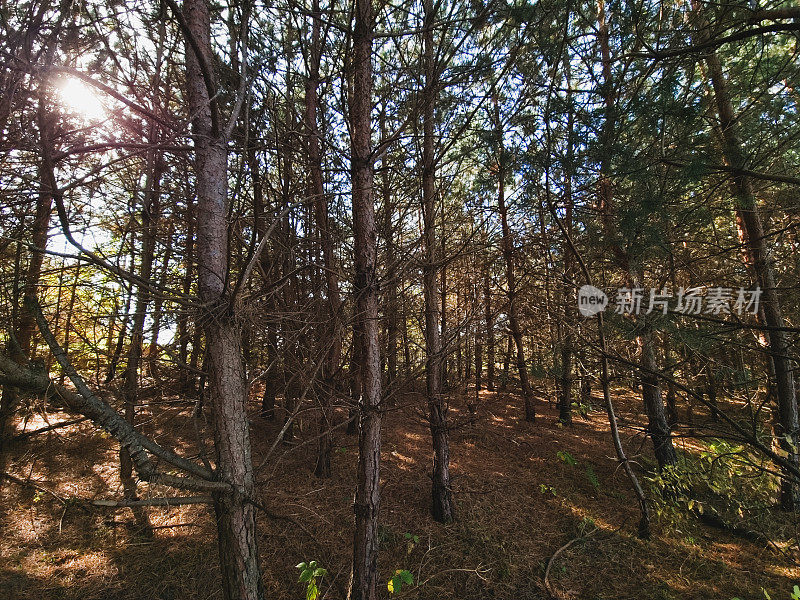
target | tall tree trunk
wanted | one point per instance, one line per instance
(183, 319)
(443, 298)
(390, 298)
(364, 578)
(507, 360)
(442, 503)
(113, 359)
(130, 390)
(21, 351)
(489, 318)
(568, 335)
(227, 390)
(459, 336)
(391, 307)
(657, 426)
(511, 281)
(332, 337)
(749, 218)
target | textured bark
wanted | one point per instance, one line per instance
(39, 234)
(657, 425)
(227, 391)
(355, 378)
(390, 296)
(478, 362)
(445, 366)
(442, 503)
(507, 361)
(749, 218)
(459, 336)
(364, 580)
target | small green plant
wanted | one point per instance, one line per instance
(567, 457)
(547, 489)
(795, 594)
(586, 526)
(311, 574)
(582, 409)
(411, 541)
(592, 477)
(400, 577)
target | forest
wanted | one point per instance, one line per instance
(430, 299)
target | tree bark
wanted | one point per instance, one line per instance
(364, 578)
(567, 341)
(227, 390)
(511, 281)
(442, 503)
(39, 235)
(749, 217)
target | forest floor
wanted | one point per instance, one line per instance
(518, 502)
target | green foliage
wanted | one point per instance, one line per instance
(411, 541)
(311, 574)
(726, 478)
(794, 596)
(400, 577)
(582, 409)
(592, 477)
(586, 526)
(547, 489)
(567, 457)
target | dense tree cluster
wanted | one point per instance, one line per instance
(305, 210)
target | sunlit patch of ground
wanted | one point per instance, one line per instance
(517, 503)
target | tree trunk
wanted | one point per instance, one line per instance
(130, 390)
(442, 505)
(749, 218)
(364, 580)
(568, 325)
(331, 338)
(489, 318)
(507, 361)
(113, 360)
(227, 390)
(511, 282)
(187, 377)
(657, 426)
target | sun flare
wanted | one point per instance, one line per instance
(81, 99)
